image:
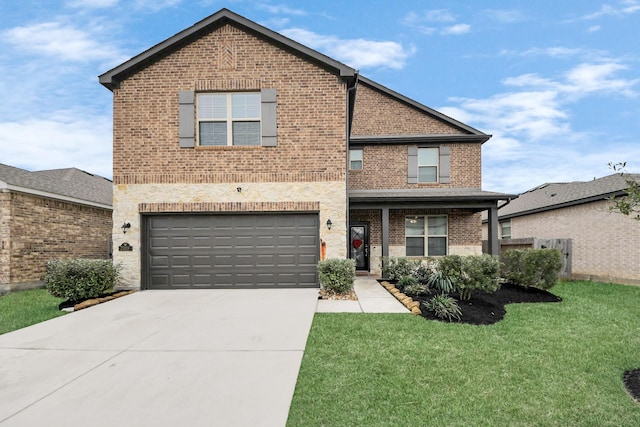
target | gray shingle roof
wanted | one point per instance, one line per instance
(70, 183)
(557, 195)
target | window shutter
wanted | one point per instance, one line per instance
(412, 170)
(186, 118)
(445, 165)
(269, 122)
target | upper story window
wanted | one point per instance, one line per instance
(427, 165)
(228, 119)
(355, 159)
(505, 229)
(426, 235)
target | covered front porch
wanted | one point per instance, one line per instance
(419, 223)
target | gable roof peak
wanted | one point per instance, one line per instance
(112, 78)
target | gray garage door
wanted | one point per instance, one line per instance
(231, 251)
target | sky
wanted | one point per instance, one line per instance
(557, 83)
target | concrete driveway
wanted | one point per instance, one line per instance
(160, 358)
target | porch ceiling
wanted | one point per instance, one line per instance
(428, 198)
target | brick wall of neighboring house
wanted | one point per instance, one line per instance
(605, 245)
(310, 116)
(385, 167)
(5, 236)
(43, 229)
(377, 113)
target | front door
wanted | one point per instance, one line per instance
(359, 245)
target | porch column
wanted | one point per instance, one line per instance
(492, 238)
(385, 235)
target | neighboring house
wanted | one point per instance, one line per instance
(241, 156)
(50, 214)
(604, 244)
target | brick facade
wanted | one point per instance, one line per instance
(36, 230)
(311, 115)
(385, 167)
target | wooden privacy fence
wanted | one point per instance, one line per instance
(564, 245)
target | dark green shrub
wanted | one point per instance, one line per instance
(444, 307)
(422, 273)
(337, 275)
(538, 268)
(439, 280)
(396, 268)
(77, 279)
(406, 281)
(471, 273)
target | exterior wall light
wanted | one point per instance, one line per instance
(329, 224)
(125, 227)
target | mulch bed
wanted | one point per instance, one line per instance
(631, 380)
(89, 302)
(486, 308)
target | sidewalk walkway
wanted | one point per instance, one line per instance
(372, 298)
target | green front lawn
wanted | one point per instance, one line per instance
(549, 364)
(25, 308)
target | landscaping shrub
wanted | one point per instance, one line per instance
(416, 289)
(396, 268)
(422, 273)
(538, 268)
(471, 273)
(439, 280)
(337, 275)
(444, 307)
(77, 279)
(405, 282)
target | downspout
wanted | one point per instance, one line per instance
(351, 94)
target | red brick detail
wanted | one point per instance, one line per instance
(230, 207)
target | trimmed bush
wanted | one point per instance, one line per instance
(444, 307)
(422, 273)
(538, 268)
(396, 268)
(406, 281)
(416, 289)
(337, 275)
(471, 273)
(78, 279)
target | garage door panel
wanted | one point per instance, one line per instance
(242, 250)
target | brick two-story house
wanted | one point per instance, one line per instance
(242, 157)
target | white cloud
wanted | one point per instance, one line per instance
(532, 128)
(435, 21)
(594, 28)
(625, 7)
(59, 142)
(58, 40)
(456, 29)
(92, 3)
(357, 53)
(282, 9)
(506, 16)
(156, 5)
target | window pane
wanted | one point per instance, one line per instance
(212, 106)
(427, 156)
(437, 246)
(355, 155)
(213, 133)
(415, 246)
(246, 133)
(437, 226)
(427, 174)
(355, 165)
(245, 105)
(414, 226)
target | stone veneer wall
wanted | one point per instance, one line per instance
(37, 229)
(326, 197)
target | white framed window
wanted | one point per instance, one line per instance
(505, 229)
(428, 164)
(355, 159)
(426, 235)
(228, 119)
